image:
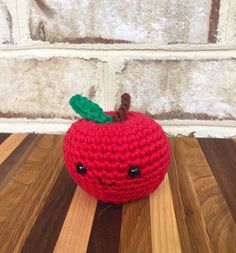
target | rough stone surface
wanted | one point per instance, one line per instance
(5, 24)
(108, 21)
(180, 89)
(42, 87)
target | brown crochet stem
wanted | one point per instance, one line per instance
(121, 113)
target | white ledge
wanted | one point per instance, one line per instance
(219, 129)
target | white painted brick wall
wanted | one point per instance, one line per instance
(159, 51)
(42, 87)
(188, 89)
(148, 21)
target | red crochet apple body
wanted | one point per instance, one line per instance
(109, 150)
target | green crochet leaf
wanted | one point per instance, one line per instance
(88, 109)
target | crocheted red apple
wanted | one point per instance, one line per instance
(115, 156)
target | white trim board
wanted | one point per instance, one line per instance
(200, 128)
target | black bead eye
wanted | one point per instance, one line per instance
(134, 172)
(81, 169)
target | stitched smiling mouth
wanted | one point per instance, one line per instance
(101, 182)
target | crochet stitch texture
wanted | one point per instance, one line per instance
(107, 152)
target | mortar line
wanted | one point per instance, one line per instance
(101, 86)
(105, 55)
(223, 21)
(105, 86)
(107, 89)
(18, 23)
(23, 28)
(110, 86)
(123, 46)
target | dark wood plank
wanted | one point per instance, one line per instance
(221, 156)
(44, 234)
(14, 161)
(136, 227)
(3, 137)
(105, 234)
(24, 195)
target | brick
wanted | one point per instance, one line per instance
(5, 24)
(108, 21)
(36, 88)
(187, 89)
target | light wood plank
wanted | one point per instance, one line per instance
(9, 145)
(24, 195)
(165, 237)
(77, 226)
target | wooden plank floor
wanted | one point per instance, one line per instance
(42, 210)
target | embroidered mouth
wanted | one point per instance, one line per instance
(103, 183)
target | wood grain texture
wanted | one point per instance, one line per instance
(10, 166)
(221, 156)
(187, 212)
(105, 234)
(8, 146)
(44, 234)
(25, 193)
(210, 226)
(163, 216)
(77, 226)
(3, 137)
(219, 222)
(42, 210)
(136, 227)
